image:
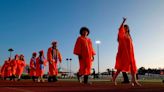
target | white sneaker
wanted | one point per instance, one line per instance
(42, 80)
(38, 80)
(80, 79)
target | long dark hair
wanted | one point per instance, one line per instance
(126, 26)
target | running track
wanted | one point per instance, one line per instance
(74, 86)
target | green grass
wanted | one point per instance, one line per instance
(152, 80)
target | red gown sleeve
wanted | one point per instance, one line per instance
(121, 32)
(91, 48)
(77, 47)
(60, 57)
(31, 64)
(49, 55)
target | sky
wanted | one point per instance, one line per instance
(31, 25)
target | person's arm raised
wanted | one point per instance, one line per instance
(124, 19)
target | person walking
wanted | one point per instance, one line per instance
(53, 57)
(84, 50)
(125, 60)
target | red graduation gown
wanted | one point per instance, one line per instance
(125, 60)
(53, 69)
(83, 48)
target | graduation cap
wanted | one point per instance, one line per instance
(34, 53)
(41, 52)
(54, 42)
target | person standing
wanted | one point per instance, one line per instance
(93, 73)
(125, 60)
(6, 69)
(53, 57)
(84, 50)
(21, 63)
(40, 64)
(13, 65)
(33, 66)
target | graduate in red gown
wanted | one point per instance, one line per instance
(3, 75)
(33, 66)
(125, 60)
(84, 50)
(13, 65)
(6, 69)
(3, 68)
(53, 57)
(40, 64)
(21, 63)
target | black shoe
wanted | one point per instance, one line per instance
(49, 79)
(18, 79)
(55, 79)
(13, 77)
(79, 78)
(163, 81)
(10, 78)
(33, 78)
(85, 79)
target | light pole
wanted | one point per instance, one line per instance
(70, 66)
(98, 43)
(10, 50)
(69, 71)
(67, 65)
